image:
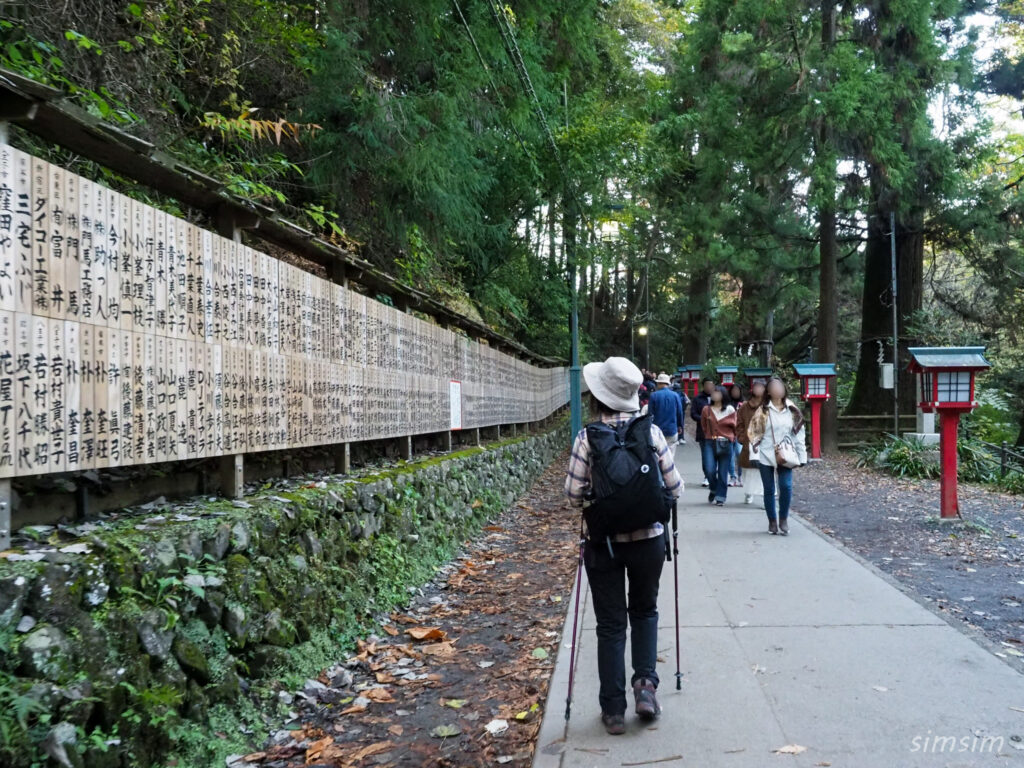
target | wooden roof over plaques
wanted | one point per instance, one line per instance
(46, 112)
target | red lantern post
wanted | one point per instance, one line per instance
(815, 380)
(693, 378)
(726, 374)
(946, 384)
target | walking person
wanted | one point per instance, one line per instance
(697, 406)
(623, 528)
(718, 422)
(748, 458)
(666, 410)
(777, 432)
(736, 471)
(677, 387)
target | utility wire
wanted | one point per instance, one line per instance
(490, 78)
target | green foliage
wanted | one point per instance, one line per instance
(903, 457)
(909, 457)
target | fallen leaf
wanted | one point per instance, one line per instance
(316, 749)
(539, 653)
(439, 649)
(485, 664)
(496, 727)
(426, 633)
(355, 709)
(380, 695)
(389, 629)
(254, 757)
(790, 749)
(454, 703)
(385, 677)
(445, 731)
(396, 730)
(372, 749)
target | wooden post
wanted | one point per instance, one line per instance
(5, 514)
(232, 476)
(343, 460)
(949, 421)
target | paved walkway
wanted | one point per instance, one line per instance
(791, 641)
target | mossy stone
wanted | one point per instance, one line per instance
(191, 658)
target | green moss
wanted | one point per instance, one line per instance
(324, 607)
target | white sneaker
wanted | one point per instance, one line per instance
(704, 484)
(748, 498)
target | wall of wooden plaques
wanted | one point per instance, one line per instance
(128, 336)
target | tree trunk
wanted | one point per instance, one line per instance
(698, 317)
(876, 312)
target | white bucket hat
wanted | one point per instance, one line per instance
(615, 383)
(663, 379)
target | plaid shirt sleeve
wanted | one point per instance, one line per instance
(577, 480)
(673, 482)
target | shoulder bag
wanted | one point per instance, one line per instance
(785, 452)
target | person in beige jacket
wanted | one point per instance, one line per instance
(777, 420)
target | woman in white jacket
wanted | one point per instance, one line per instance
(776, 421)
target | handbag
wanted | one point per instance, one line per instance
(723, 445)
(785, 452)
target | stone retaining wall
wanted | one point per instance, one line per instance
(147, 636)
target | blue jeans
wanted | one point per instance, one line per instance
(716, 469)
(639, 564)
(737, 470)
(785, 475)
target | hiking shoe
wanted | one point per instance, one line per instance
(647, 706)
(615, 725)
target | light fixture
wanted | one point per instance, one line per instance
(642, 330)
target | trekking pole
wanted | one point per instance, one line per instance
(675, 568)
(575, 619)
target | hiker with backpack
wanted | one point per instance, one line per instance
(622, 474)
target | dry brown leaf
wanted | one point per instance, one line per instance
(316, 749)
(372, 749)
(440, 649)
(253, 757)
(396, 730)
(389, 629)
(385, 677)
(355, 709)
(380, 695)
(426, 633)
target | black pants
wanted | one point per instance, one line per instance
(638, 564)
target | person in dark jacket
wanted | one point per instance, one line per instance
(697, 406)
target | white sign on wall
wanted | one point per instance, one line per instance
(455, 394)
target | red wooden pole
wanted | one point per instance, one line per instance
(815, 429)
(950, 421)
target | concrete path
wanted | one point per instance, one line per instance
(790, 641)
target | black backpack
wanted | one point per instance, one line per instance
(628, 491)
